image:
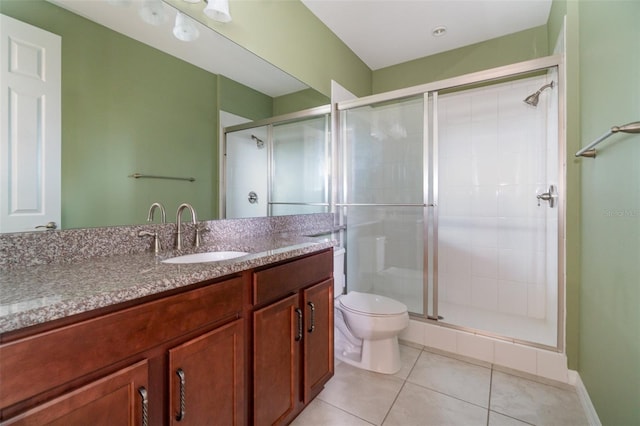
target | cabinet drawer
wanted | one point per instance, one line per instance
(35, 364)
(273, 283)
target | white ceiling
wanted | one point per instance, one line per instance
(389, 32)
(380, 32)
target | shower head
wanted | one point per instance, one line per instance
(534, 98)
(259, 142)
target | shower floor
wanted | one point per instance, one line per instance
(507, 325)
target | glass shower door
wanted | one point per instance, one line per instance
(300, 163)
(382, 200)
(496, 240)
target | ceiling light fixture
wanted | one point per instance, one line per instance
(152, 12)
(439, 31)
(218, 10)
(184, 29)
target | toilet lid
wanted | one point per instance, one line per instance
(372, 304)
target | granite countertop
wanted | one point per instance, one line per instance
(37, 294)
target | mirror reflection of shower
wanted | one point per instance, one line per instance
(534, 98)
(259, 142)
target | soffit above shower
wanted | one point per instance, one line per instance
(389, 32)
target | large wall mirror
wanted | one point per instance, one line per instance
(137, 100)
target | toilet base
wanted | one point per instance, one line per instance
(381, 356)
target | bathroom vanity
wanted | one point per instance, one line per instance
(251, 343)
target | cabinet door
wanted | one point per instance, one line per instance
(318, 338)
(117, 399)
(277, 331)
(206, 378)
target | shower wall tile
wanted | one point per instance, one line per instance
(537, 301)
(484, 201)
(476, 347)
(440, 338)
(484, 293)
(485, 262)
(484, 232)
(414, 333)
(552, 365)
(539, 362)
(515, 356)
(512, 297)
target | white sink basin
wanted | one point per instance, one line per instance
(212, 256)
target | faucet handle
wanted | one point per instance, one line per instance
(157, 247)
(199, 229)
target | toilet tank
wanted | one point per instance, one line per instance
(338, 271)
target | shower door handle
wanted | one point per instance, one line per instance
(549, 196)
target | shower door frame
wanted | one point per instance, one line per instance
(430, 91)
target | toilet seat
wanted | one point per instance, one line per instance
(371, 304)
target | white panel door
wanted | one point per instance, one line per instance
(30, 135)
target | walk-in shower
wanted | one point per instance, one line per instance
(445, 194)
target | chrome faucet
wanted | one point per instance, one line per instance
(163, 214)
(194, 220)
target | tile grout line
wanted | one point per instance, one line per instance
(404, 382)
(490, 390)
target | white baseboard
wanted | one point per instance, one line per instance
(583, 396)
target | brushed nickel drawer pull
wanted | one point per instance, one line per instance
(299, 314)
(145, 406)
(180, 373)
(313, 317)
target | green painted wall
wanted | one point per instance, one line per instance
(509, 49)
(299, 101)
(243, 101)
(609, 64)
(289, 36)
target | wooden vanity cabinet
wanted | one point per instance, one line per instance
(254, 348)
(292, 336)
(94, 370)
(206, 379)
(120, 398)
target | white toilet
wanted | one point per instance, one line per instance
(367, 326)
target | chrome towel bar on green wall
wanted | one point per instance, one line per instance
(588, 151)
(140, 175)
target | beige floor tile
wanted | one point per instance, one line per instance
(408, 357)
(534, 402)
(419, 406)
(452, 377)
(319, 413)
(363, 393)
(497, 419)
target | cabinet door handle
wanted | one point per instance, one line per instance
(180, 373)
(313, 317)
(145, 406)
(299, 314)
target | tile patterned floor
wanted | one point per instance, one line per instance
(435, 389)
